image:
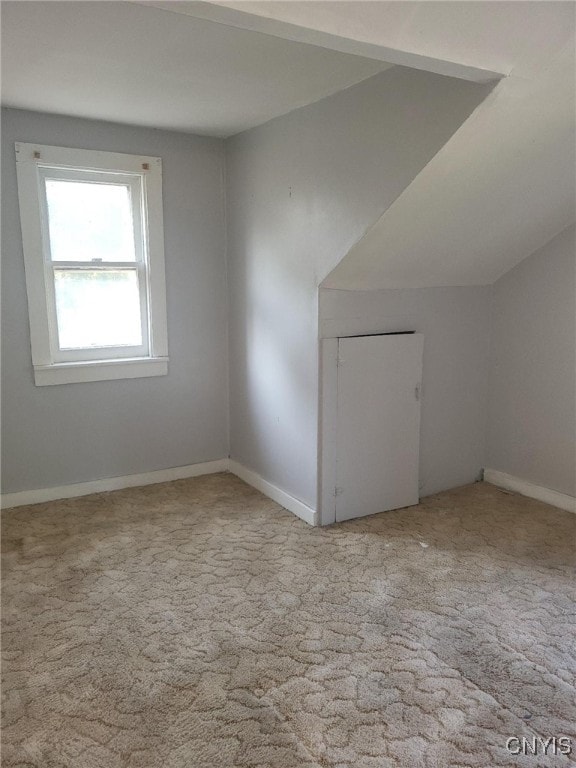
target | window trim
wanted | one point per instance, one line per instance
(49, 367)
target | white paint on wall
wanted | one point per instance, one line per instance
(74, 433)
(532, 398)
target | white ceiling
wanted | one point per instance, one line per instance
(494, 36)
(504, 184)
(365, 28)
(502, 187)
(137, 64)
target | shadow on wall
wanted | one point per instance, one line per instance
(301, 190)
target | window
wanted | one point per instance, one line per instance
(94, 257)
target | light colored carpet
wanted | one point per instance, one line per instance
(196, 623)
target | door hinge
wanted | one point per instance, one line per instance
(417, 391)
(338, 491)
(339, 361)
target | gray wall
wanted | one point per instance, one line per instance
(77, 432)
(302, 189)
(532, 407)
(455, 324)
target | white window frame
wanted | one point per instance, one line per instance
(52, 365)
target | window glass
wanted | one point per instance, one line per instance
(89, 221)
(97, 308)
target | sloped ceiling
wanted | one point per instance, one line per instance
(139, 65)
(504, 184)
(361, 28)
(497, 37)
(501, 187)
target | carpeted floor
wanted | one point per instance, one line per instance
(196, 623)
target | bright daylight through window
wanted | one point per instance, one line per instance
(93, 249)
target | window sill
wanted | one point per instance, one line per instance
(100, 370)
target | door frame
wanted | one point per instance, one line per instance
(327, 431)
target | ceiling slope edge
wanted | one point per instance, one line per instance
(234, 17)
(499, 189)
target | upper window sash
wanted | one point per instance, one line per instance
(133, 182)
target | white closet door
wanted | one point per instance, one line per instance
(378, 424)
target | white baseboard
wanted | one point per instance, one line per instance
(285, 500)
(547, 495)
(22, 498)
(112, 484)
